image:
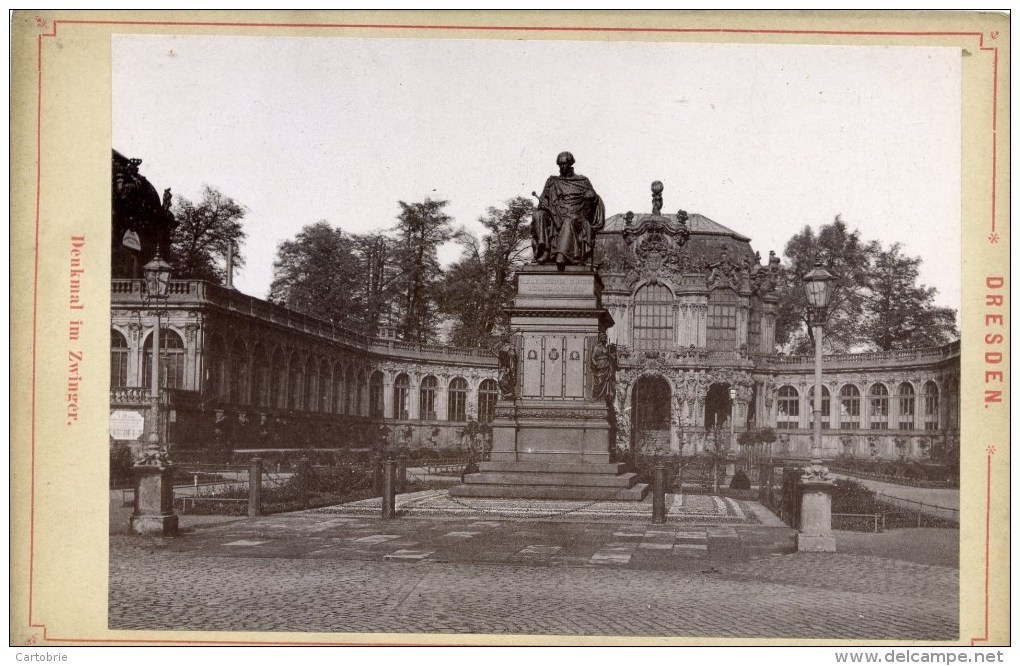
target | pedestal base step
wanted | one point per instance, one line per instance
(550, 480)
(541, 467)
(530, 478)
(635, 493)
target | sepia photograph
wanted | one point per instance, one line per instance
(544, 338)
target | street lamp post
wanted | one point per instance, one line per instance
(154, 489)
(818, 284)
(733, 397)
(157, 283)
(816, 484)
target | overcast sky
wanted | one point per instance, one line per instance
(762, 139)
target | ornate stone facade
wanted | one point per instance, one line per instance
(694, 311)
(266, 375)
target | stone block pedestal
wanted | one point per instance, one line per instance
(816, 518)
(154, 501)
(551, 439)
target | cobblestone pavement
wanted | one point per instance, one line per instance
(328, 573)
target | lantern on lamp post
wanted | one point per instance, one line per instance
(816, 486)
(154, 475)
(157, 284)
(818, 285)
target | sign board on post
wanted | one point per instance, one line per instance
(126, 424)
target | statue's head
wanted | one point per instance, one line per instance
(565, 161)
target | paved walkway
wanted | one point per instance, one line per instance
(331, 571)
(936, 502)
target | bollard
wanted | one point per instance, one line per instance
(255, 488)
(304, 472)
(389, 494)
(377, 474)
(659, 494)
(402, 473)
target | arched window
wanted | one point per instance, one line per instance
(458, 399)
(825, 406)
(402, 397)
(488, 394)
(931, 405)
(722, 320)
(788, 416)
(325, 387)
(310, 402)
(339, 388)
(278, 385)
(118, 359)
(849, 407)
(905, 401)
(361, 391)
(351, 391)
(878, 405)
(653, 317)
(215, 387)
(295, 382)
(260, 377)
(171, 366)
(239, 370)
(427, 399)
(376, 403)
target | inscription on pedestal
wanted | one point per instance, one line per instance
(553, 366)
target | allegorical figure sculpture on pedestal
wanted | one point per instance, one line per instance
(568, 215)
(603, 367)
(507, 356)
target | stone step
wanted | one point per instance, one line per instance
(525, 478)
(636, 493)
(553, 467)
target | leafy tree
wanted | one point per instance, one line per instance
(198, 244)
(379, 277)
(876, 302)
(849, 259)
(480, 286)
(313, 272)
(421, 228)
(901, 313)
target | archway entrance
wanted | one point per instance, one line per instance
(717, 407)
(650, 407)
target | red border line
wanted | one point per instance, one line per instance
(35, 317)
(988, 522)
(383, 26)
(518, 28)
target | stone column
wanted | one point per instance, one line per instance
(443, 398)
(414, 396)
(194, 345)
(742, 314)
(135, 351)
(387, 395)
(701, 322)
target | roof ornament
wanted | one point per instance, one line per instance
(657, 197)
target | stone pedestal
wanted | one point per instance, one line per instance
(552, 440)
(154, 501)
(816, 517)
